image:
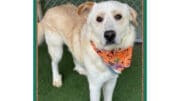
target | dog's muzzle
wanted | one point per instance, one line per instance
(110, 36)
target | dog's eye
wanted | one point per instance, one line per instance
(118, 17)
(99, 19)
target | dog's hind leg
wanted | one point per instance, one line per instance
(56, 55)
(55, 49)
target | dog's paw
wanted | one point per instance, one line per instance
(57, 82)
(80, 70)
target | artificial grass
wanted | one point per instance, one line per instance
(75, 86)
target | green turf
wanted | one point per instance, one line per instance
(75, 86)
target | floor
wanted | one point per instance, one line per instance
(75, 87)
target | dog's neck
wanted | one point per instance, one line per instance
(116, 60)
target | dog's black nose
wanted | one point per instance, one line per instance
(110, 35)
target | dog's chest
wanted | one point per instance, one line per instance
(96, 68)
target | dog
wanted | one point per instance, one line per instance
(39, 10)
(90, 31)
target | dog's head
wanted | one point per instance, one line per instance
(109, 22)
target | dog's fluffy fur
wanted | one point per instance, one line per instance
(76, 27)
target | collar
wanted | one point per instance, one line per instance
(116, 60)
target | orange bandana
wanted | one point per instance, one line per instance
(116, 60)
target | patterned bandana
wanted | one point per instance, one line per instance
(116, 60)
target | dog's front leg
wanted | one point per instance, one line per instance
(95, 89)
(108, 89)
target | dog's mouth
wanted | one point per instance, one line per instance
(110, 43)
(111, 47)
(108, 46)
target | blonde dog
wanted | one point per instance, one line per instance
(107, 25)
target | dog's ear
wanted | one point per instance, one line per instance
(85, 8)
(133, 16)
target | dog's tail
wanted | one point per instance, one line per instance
(40, 33)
